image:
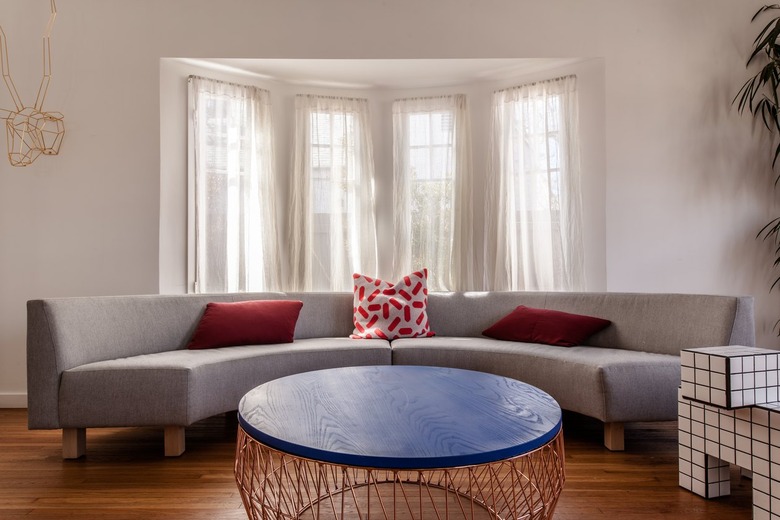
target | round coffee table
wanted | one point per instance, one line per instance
(396, 442)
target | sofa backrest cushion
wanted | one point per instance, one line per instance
(88, 329)
(100, 328)
(85, 330)
(661, 323)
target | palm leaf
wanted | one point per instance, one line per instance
(763, 9)
(760, 95)
(774, 161)
(770, 229)
(766, 41)
(763, 32)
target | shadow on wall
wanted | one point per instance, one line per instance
(729, 157)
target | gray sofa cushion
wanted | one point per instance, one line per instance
(147, 390)
(609, 384)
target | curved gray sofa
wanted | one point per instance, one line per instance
(122, 361)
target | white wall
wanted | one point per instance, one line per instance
(174, 274)
(687, 187)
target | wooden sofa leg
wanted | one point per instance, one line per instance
(614, 436)
(174, 441)
(74, 443)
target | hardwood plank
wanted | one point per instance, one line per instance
(125, 475)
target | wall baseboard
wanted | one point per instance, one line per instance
(13, 400)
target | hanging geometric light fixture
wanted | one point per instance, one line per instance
(30, 131)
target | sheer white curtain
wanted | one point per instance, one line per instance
(433, 190)
(235, 214)
(533, 227)
(332, 211)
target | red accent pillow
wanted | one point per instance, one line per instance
(389, 311)
(546, 326)
(254, 322)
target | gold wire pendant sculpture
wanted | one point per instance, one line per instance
(30, 131)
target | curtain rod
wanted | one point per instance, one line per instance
(340, 98)
(195, 76)
(554, 80)
(420, 98)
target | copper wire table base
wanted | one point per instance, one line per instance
(278, 486)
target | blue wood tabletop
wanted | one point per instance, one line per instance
(400, 417)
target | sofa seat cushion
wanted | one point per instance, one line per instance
(183, 386)
(612, 385)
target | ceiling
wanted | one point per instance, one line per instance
(394, 73)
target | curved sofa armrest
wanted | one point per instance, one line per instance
(43, 369)
(744, 330)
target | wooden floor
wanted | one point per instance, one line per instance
(125, 476)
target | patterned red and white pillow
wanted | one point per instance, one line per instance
(389, 311)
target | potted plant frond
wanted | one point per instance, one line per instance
(759, 95)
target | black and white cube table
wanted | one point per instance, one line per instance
(729, 414)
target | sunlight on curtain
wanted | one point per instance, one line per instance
(432, 183)
(533, 230)
(235, 215)
(332, 211)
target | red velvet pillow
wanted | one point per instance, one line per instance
(546, 326)
(254, 322)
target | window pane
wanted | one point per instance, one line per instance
(232, 131)
(441, 127)
(553, 113)
(419, 163)
(335, 172)
(320, 187)
(552, 146)
(419, 129)
(431, 173)
(441, 167)
(320, 128)
(532, 148)
(320, 160)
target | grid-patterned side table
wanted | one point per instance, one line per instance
(729, 414)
